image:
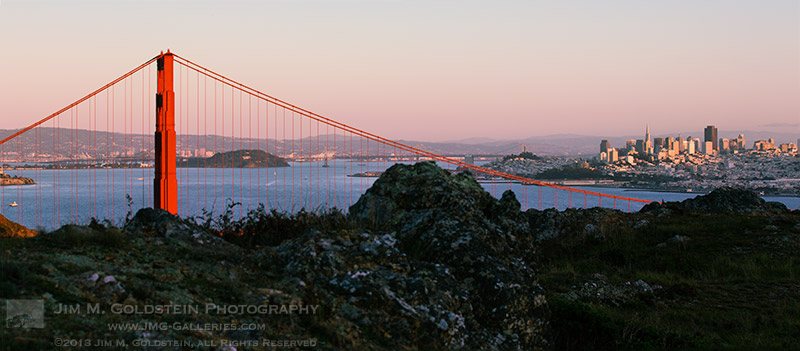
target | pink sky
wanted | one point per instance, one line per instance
(434, 70)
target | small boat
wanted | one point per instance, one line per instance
(13, 204)
(139, 178)
(325, 165)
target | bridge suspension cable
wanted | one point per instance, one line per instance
(225, 80)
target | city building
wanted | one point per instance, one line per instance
(708, 148)
(788, 147)
(764, 145)
(630, 144)
(724, 145)
(658, 146)
(613, 155)
(604, 145)
(711, 135)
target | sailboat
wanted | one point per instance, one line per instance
(13, 204)
(326, 159)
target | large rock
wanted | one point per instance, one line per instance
(9, 229)
(721, 200)
(448, 223)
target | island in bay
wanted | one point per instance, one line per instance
(6, 179)
(235, 159)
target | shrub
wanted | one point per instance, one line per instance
(96, 233)
(262, 228)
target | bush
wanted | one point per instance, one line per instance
(262, 228)
(96, 233)
(13, 274)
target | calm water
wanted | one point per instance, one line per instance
(69, 196)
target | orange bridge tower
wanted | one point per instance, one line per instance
(165, 184)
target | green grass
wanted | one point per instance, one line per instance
(723, 288)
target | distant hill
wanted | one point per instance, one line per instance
(57, 143)
(235, 159)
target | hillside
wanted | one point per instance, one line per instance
(428, 260)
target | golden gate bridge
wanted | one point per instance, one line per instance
(105, 129)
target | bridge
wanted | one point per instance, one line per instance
(107, 154)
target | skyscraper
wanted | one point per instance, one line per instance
(711, 135)
(724, 145)
(604, 146)
(648, 145)
(630, 144)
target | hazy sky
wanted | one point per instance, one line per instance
(435, 70)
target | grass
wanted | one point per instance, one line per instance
(725, 287)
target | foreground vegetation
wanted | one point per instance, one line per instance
(728, 282)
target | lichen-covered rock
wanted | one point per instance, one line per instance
(598, 289)
(462, 260)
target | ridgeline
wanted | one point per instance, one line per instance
(429, 260)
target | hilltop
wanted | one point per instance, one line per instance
(429, 260)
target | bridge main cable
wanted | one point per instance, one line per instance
(235, 84)
(76, 103)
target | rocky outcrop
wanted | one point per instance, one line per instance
(9, 229)
(458, 268)
(722, 200)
